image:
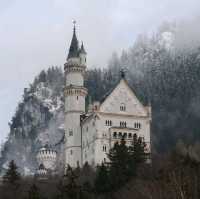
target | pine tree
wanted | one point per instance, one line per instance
(102, 184)
(70, 189)
(12, 176)
(137, 151)
(34, 192)
(119, 165)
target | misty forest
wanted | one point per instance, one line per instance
(163, 69)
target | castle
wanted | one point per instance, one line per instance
(90, 135)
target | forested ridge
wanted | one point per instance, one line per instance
(162, 70)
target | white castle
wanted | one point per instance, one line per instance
(90, 135)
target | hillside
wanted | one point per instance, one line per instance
(159, 70)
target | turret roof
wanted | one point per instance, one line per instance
(82, 50)
(74, 47)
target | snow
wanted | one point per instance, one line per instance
(167, 40)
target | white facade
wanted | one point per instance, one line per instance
(120, 114)
(75, 94)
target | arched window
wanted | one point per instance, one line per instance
(137, 125)
(125, 135)
(123, 124)
(108, 123)
(104, 148)
(115, 135)
(122, 107)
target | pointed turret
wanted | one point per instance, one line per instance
(74, 48)
(82, 55)
(82, 50)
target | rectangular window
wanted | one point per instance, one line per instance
(70, 132)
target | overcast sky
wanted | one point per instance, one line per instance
(35, 34)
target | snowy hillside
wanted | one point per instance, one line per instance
(38, 120)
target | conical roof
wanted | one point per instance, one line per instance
(74, 47)
(82, 50)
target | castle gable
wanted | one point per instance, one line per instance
(122, 100)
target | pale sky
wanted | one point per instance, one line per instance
(35, 34)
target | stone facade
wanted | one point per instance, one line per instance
(89, 136)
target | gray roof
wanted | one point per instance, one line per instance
(74, 47)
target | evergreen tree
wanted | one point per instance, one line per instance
(70, 189)
(137, 151)
(102, 184)
(119, 165)
(33, 193)
(12, 176)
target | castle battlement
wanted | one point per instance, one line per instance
(47, 156)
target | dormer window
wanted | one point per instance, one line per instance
(122, 107)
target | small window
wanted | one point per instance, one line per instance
(77, 97)
(137, 125)
(129, 135)
(87, 128)
(120, 134)
(104, 148)
(71, 152)
(115, 135)
(123, 124)
(70, 133)
(125, 135)
(122, 107)
(108, 123)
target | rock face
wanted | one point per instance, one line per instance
(38, 120)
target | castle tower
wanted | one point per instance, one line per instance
(75, 94)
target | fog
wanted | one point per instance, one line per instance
(36, 34)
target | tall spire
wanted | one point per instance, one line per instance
(74, 48)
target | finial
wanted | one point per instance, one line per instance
(122, 72)
(74, 22)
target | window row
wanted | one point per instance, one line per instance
(123, 124)
(122, 135)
